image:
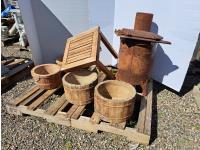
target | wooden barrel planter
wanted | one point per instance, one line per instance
(47, 76)
(79, 86)
(114, 100)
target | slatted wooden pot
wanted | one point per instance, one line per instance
(114, 100)
(79, 86)
(47, 76)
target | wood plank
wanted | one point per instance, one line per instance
(71, 111)
(143, 39)
(7, 61)
(149, 98)
(53, 108)
(15, 78)
(80, 54)
(142, 115)
(119, 125)
(95, 119)
(80, 37)
(83, 42)
(17, 101)
(108, 45)
(105, 70)
(32, 97)
(131, 133)
(78, 112)
(41, 99)
(63, 106)
(77, 59)
(79, 50)
(17, 69)
(15, 63)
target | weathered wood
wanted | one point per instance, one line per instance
(5, 80)
(56, 105)
(7, 61)
(15, 63)
(71, 111)
(15, 78)
(108, 45)
(17, 101)
(131, 133)
(119, 125)
(63, 106)
(32, 97)
(83, 50)
(78, 112)
(105, 70)
(149, 98)
(41, 99)
(74, 118)
(142, 115)
(95, 119)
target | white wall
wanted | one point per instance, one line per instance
(101, 13)
(49, 23)
(178, 21)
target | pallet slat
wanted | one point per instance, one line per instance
(32, 97)
(56, 106)
(22, 98)
(78, 112)
(41, 99)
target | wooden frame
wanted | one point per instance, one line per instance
(74, 116)
(82, 50)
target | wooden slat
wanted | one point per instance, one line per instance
(143, 39)
(119, 125)
(63, 106)
(41, 99)
(56, 106)
(71, 60)
(142, 115)
(79, 37)
(78, 112)
(95, 119)
(32, 97)
(7, 61)
(81, 43)
(79, 50)
(131, 133)
(17, 101)
(15, 63)
(71, 111)
(149, 98)
(105, 70)
(80, 54)
(108, 45)
(15, 71)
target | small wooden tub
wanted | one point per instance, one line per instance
(47, 76)
(79, 86)
(114, 100)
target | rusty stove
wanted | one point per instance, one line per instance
(135, 54)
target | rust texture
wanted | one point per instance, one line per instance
(135, 54)
(143, 21)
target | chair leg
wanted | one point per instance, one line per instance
(105, 70)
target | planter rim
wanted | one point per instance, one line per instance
(127, 99)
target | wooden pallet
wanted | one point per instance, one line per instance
(63, 113)
(17, 69)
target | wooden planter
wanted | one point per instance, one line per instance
(47, 76)
(79, 86)
(114, 101)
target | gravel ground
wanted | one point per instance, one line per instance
(176, 122)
